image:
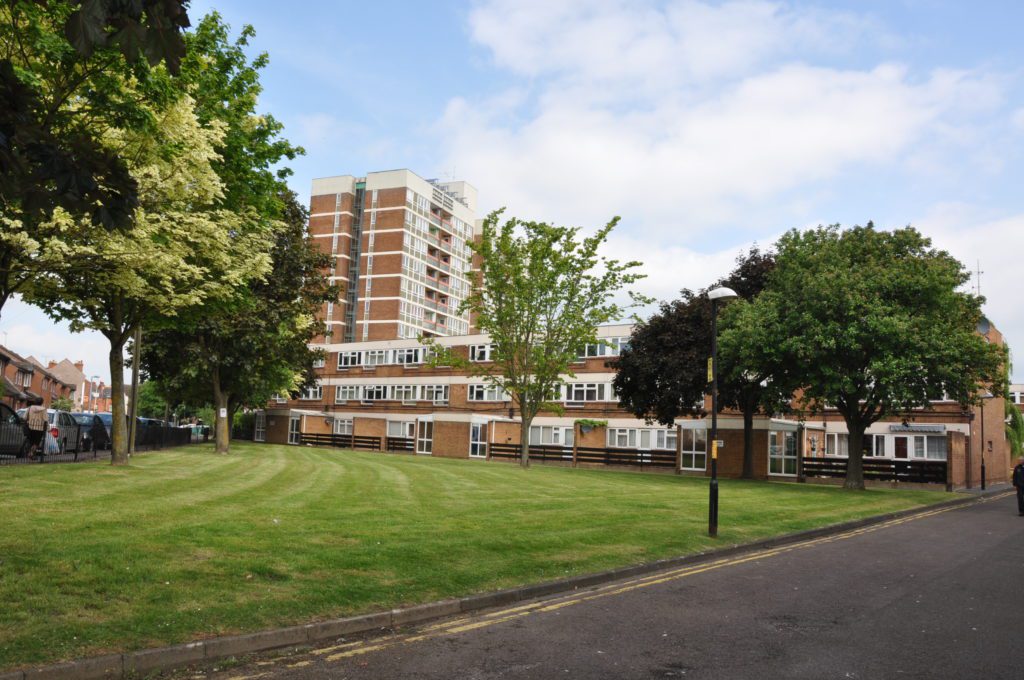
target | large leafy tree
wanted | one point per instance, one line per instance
(240, 355)
(69, 71)
(662, 374)
(183, 250)
(540, 294)
(869, 322)
(239, 352)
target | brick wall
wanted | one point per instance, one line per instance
(451, 439)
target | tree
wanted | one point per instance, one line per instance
(150, 403)
(182, 251)
(1014, 429)
(239, 356)
(70, 70)
(540, 294)
(662, 374)
(239, 352)
(871, 323)
(62, 404)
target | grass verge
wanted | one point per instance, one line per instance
(187, 544)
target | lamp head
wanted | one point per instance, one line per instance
(722, 293)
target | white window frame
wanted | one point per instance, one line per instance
(259, 431)
(484, 392)
(314, 393)
(375, 393)
(477, 440)
(481, 353)
(375, 357)
(551, 435)
(782, 453)
(348, 360)
(438, 394)
(294, 429)
(405, 429)
(343, 426)
(694, 449)
(425, 437)
(404, 392)
(346, 393)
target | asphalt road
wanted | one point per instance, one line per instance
(935, 596)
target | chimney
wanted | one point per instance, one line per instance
(51, 363)
(80, 365)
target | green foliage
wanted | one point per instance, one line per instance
(590, 422)
(151, 404)
(69, 72)
(540, 295)
(62, 404)
(872, 323)
(1014, 429)
(662, 374)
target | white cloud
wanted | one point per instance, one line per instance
(690, 115)
(28, 331)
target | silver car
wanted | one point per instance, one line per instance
(64, 434)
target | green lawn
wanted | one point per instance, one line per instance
(188, 544)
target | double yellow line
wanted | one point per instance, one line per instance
(476, 622)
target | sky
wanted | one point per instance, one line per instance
(706, 126)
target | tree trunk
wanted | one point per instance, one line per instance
(119, 424)
(855, 462)
(222, 432)
(524, 442)
(748, 442)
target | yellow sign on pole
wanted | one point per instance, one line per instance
(714, 449)
(711, 365)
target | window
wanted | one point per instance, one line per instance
(837, 444)
(279, 399)
(259, 433)
(375, 392)
(343, 426)
(484, 392)
(435, 393)
(404, 429)
(294, 429)
(407, 356)
(345, 393)
(480, 352)
(477, 440)
(622, 437)
(936, 448)
(666, 439)
(694, 449)
(404, 392)
(318, 362)
(545, 435)
(874, 445)
(312, 393)
(375, 357)
(348, 359)
(605, 347)
(584, 392)
(425, 437)
(782, 453)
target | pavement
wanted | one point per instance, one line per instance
(934, 595)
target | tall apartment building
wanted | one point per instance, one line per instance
(400, 251)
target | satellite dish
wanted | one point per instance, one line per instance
(984, 326)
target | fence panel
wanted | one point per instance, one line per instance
(401, 444)
(881, 469)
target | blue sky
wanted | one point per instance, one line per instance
(706, 126)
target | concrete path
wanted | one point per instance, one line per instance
(939, 595)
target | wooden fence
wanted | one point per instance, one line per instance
(341, 441)
(590, 455)
(881, 469)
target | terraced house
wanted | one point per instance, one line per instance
(400, 248)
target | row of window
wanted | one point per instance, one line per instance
(433, 393)
(888, 446)
(382, 357)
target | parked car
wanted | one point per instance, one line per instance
(108, 421)
(94, 433)
(13, 440)
(64, 435)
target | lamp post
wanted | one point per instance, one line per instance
(715, 296)
(987, 395)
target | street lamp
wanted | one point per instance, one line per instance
(715, 295)
(987, 395)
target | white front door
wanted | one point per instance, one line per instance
(259, 433)
(294, 429)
